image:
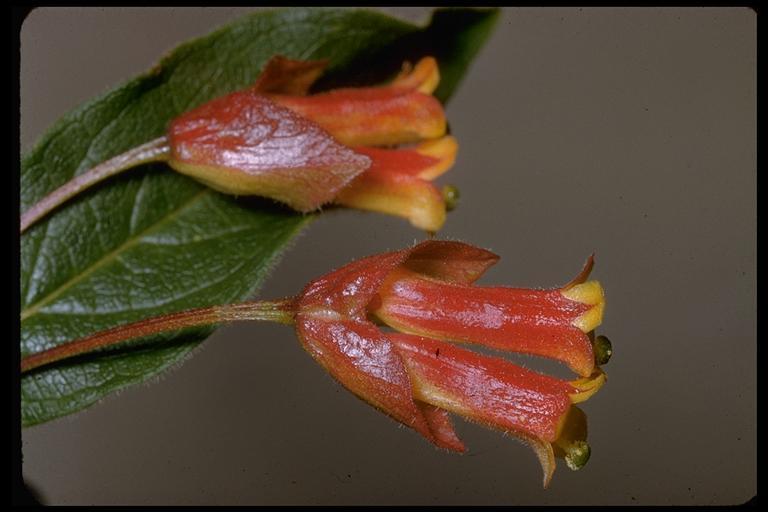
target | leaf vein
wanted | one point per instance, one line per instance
(26, 313)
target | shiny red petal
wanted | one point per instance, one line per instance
(374, 116)
(537, 322)
(489, 390)
(397, 161)
(427, 160)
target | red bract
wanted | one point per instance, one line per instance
(244, 143)
(275, 140)
(417, 380)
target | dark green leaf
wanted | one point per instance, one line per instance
(152, 241)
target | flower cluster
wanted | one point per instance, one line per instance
(276, 140)
(418, 375)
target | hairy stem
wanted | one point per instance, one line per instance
(153, 151)
(280, 311)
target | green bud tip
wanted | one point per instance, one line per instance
(451, 196)
(577, 455)
(603, 350)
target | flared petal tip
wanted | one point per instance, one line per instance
(587, 386)
(423, 77)
(591, 294)
(443, 152)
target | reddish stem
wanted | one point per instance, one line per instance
(280, 311)
(153, 151)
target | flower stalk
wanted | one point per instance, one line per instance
(157, 150)
(279, 311)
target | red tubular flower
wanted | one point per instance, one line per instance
(275, 140)
(417, 380)
(399, 113)
(399, 182)
(548, 323)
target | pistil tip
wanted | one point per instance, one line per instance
(451, 197)
(603, 350)
(577, 454)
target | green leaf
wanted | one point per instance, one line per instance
(152, 241)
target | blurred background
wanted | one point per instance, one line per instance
(627, 132)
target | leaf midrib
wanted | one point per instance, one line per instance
(130, 242)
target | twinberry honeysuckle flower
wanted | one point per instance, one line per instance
(307, 150)
(417, 379)
(419, 373)
(550, 323)
(276, 140)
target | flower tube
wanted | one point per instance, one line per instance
(399, 113)
(398, 182)
(549, 323)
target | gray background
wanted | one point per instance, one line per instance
(630, 132)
